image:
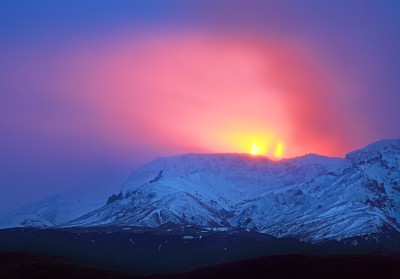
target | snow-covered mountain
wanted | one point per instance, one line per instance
(364, 199)
(311, 197)
(203, 189)
(49, 212)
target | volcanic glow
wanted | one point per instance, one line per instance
(185, 92)
(113, 86)
(255, 149)
(258, 149)
(279, 150)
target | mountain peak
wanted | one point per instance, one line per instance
(387, 148)
(311, 197)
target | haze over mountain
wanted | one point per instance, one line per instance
(90, 89)
(52, 211)
(312, 198)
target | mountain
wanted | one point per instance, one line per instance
(202, 189)
(312, 198)
(362, 200)
(48, 212)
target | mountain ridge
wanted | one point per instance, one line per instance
(312, 197)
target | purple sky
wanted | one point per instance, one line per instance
(89, 90)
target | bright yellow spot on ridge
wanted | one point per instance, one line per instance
(255, 149)
(279, 150)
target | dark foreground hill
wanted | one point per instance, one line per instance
(175, 249)
(301, 266)
(32, 266)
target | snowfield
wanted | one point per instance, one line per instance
(312, 198)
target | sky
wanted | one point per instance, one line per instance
(90, 90)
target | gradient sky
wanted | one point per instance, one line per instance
(89, 90)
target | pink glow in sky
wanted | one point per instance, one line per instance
(196, 92)
(89, 90)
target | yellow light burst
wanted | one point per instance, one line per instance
(255, 149)
(279, 150)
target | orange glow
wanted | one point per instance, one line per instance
(200, 93)
(279, 150)
(261, 149)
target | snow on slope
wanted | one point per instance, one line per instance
(49, 212)
(312, 197)
(200, 198)
(249, 172)
(203, 189)
(361, 200)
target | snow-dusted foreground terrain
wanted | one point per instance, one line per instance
(312, 198)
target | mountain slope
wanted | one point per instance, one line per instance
(249, 172)
(312, 198)
(49, 212)
(202, 189)
(362, 200)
